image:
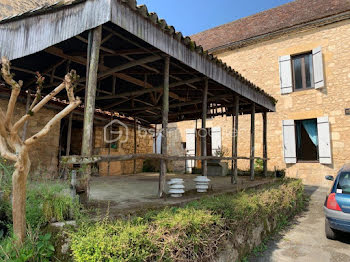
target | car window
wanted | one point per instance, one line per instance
(344, 183)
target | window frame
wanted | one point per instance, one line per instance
(303, 72)
(296, 142)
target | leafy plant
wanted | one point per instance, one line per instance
(36, 248)
(259, 165)
(221, 152)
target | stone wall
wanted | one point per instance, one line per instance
(44, 154)
(259, 63)
(125, 145)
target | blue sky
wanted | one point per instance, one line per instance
(193, 16)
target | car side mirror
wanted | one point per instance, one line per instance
(331, 178)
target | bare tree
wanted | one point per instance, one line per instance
(13, 148)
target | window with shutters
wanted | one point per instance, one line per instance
(306, 137)
(307, 140)
(302, 69)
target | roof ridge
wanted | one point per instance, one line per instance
(271, 20)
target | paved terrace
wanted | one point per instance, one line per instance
(129, 193)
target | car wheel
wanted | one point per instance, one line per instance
(330, 233)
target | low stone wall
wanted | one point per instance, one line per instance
(245, 241)
(250, 235)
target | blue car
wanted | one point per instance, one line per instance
(337, 204)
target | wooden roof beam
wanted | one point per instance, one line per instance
(199, 101)
(79, 60)
(119, 68)
(149, 90)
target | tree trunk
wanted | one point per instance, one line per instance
(19, 183)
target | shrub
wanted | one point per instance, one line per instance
(251, 204)
(190, 233)
(120, 241)
(168, 235)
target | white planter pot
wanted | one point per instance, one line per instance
(176, 187)
(202, 183)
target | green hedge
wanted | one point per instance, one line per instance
(190, 233)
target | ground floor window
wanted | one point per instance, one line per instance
(306, 140)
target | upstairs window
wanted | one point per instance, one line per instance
(302, 71)
(303, 77)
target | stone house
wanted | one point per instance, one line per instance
(299, 53)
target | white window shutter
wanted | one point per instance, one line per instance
(286, 74)
(215, 140)
(318, 67)
(190, 148)
(289, 146)
(324, 141)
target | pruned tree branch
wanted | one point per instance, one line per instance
(52, 123)
(4, 152)
(71, 81)
(39, 81)
(2, 124)
(37, 107)
(15, 86)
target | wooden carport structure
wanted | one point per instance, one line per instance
(133, 63)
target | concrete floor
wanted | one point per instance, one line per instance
(137, 191)
(305, 239)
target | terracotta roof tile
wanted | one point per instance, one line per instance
(14, 7)
(281, 17)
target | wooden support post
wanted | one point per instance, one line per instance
(155, 139)
(264, 115)
(69, 134)
(165, 112)
(135, 146)
(234, 177)
(25, 127)
(114, 85)
(204, 126)
(252, 141)
(109, 147)
(195, 143)
(89, 103)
